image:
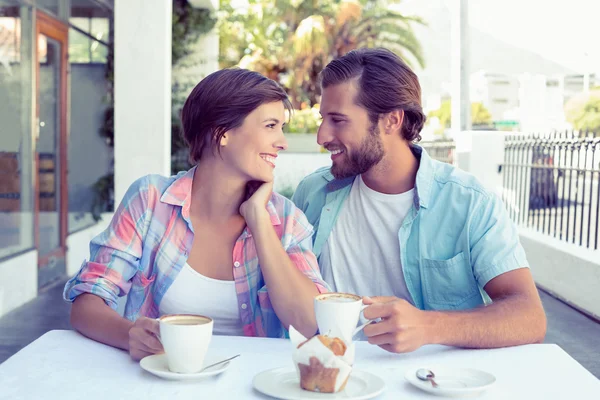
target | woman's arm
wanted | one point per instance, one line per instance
(114, 261)
(291, 292)
(93, 318)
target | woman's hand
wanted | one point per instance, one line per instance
(143, 338)
(254, 208)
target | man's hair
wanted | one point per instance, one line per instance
(385, 84)
(221, 102)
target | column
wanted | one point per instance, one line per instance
(142, 91)
(461, 106)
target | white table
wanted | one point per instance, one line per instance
(65, 365)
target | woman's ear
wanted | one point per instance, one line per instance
(224, 140)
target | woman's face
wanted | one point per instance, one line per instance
(251, 149)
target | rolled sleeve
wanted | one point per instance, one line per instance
(115, 253)
(494, 240)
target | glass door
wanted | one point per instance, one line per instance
(50, 148)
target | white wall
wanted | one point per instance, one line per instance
(481, 153)
(78, 244)
(19, 275)
(567, 271)
(142, 91)
(18, 281)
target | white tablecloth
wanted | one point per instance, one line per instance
(65, 365)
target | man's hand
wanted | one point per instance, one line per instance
(255, 207)
(403, 328)
(143, 338)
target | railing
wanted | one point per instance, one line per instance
(442, 150)
(551, 184)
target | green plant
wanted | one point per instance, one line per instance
(104, 196)
(304, 121)
(291, 41)
(189, 24)
(583, 111)
(479, 114)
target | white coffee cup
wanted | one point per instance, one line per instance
(338, 314)
(185, 339)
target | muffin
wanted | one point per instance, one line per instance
(326, 371)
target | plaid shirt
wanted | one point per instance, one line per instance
(148, 241)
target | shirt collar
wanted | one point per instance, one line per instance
(179, 194)
(423, 183)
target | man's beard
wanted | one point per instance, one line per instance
(360, 161)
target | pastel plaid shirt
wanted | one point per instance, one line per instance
(148, 241)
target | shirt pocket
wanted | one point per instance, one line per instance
(140, 289)
(449, 284)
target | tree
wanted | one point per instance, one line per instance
(479, 114)
(583, 111)
(291, 41)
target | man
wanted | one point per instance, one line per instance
(434, 248)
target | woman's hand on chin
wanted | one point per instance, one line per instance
(254, 209)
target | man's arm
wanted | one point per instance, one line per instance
(515, 317)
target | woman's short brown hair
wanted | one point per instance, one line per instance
(385, 84)
(221, 102)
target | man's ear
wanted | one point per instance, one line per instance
(393, 121)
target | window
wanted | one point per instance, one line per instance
(16, 158)
(90, 156)
(88, 40)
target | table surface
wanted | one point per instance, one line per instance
(65, 365)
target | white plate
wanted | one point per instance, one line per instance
(157, 364)
(284, 383)
(453, 382)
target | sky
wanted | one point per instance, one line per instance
(562, 31)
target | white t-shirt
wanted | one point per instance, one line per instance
(362, 253)
(194, 293)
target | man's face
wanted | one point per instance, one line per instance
(346, 131)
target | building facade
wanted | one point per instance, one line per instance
(79, 122)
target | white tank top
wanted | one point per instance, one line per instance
(194, 293)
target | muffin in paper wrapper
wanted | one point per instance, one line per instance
(318, 368)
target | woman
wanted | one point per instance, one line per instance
(208, 241)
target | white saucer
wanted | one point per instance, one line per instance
(453, 382)
(284, 383)
(157, 365)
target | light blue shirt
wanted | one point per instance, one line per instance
(454, 240)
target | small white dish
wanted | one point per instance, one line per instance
(284, 383)
(453, 382)
(157, 365)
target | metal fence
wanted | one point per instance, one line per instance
(551, 184)
(441, 150)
